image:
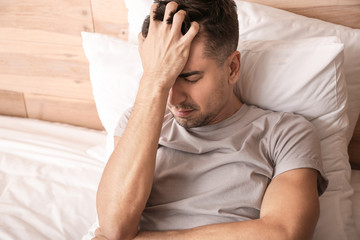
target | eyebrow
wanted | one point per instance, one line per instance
(188, 74)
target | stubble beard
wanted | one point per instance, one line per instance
(201, 119)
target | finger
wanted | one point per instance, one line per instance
(178, 21)
(153, 8)
(152, 14)
(170, 8)
(193, 30)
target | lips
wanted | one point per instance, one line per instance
(183, 113)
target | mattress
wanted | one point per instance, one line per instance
(49, 173)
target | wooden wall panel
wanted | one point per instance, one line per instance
(110, 17)
(31, 67)
(305, 3)
(41, 47)
(333, 14)
(41, 56)
(72, 111)
(42, 75)
(58, 16)
(12, 104)
(327, 10)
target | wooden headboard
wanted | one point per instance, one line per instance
(43, 69)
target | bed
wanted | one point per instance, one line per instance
(58, 112)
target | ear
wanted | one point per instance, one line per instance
(234, 67)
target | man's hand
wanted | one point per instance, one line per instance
(165, 51)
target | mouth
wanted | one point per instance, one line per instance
(183, 113)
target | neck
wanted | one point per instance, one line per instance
(232, 106)
(236, 103)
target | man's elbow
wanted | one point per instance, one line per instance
(300, 228)
(303, 230)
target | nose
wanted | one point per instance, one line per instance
(177, 94)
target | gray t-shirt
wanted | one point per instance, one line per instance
(219, 173)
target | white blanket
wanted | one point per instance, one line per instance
(48, 179)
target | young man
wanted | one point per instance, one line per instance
(193, 161)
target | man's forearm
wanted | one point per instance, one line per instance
(127, 179)
(128, 176)
(253, 229)
(287, 212)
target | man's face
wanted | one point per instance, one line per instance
(201, 94)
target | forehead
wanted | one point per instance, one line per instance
(197, 58)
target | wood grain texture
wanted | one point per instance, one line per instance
(42, 59)
(305, 3)
(343, 12)
(44, 68)
(41, 47)
(61, 16)
(66, 110)
(12, 104)
(110, 17)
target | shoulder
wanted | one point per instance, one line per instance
(290, 129)
(277, 121)
(287, 134)
(290, 125)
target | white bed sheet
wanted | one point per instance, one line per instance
(48, 179)
(49, 174)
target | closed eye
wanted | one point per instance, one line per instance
(191, 77)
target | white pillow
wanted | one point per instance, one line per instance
(302, 76)
(115, 70)
(258, 22)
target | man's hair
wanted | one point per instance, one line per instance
(218, 24)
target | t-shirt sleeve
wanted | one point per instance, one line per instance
(120, 128)
(296, 144)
